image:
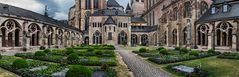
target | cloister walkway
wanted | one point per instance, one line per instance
(139, 67)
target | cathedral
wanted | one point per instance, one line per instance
(108, 22)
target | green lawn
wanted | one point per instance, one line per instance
(216, 67)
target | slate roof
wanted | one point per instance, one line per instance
(137, 20)
(113, 3)
(109, 21)
(143, 28)
(128, 7)
(232, 14)
(10, 11)
(109, 12)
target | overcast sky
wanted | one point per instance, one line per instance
(58, 9)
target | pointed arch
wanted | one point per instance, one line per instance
(97, 37)
(224, 34)
(202, 32)
(175, 36)
(122, 38)
(134, 39)
(34, 31)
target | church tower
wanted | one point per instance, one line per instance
(137, 7)
(128, 9)
(82, 9)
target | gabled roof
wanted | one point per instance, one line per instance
(128, 7)
(109, 21)
(109, 12)
(113, 3)
(232, 14)
(8, 10)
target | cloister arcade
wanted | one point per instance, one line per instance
(22, 34)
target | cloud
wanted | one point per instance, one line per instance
(60, 16)
(32, 5)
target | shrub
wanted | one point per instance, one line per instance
(177, 48)
(42, 48)
(47, 50)
(164, 52)
(90, 49)
(104, 66)
(184, 50)
(99, 52)
(142, 50)
(160, 48)
(72, 58)
(78, 71)
(211, 51)
(40, 53)
(69, 51)
(20, 63)
(194, 53)
(0, 56)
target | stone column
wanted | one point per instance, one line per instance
(234, 42)
(211, 37)
(0, 39)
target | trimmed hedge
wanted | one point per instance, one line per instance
(228, 55)
(78, 71)
(40, 53)
(19, 64)
(142, 50)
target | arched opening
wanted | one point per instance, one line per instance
(185, 34)
(17, 38)
(175, 36)
(97, 38)
(122, 38)
(4, 44)
(202, 32)
(165, 37)
(10, 39)
(224, 34)
(144, 40)
(187, 9)
(34, 30)
(203, 8)
(134, 39)
(86, 41)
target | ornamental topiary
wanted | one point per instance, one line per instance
(142, 50)
(40, 53)
(194, 53)
(69, 51)
(72, 58)
(47, 50)
(78, 71)
(20, 63)
(160, 48)
(177, 48)
(184, 50)
(164, 52)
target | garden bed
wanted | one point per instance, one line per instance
(228, 55)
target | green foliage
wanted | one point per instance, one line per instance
(160, 48)
(40, 53)
(99, 52)
(104, 66)
(177, 48)
(164, 52)
(184, 50)
(90, 49)
(142, 50)
(69, 51)
(72, 58)
(211, 51)
(47, 50)
(20, 63)
(0, 56)
(194, 53)
(78, 71)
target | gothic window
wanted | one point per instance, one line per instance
(202, 35)
(187, 9)
(224, 34)
(122, 38)
(34, 29)
(96, 4)
(134, 39)
(88, 4)
(110, 36)
(97, 38)
(174, 36)
(175, 15)
(144, 39)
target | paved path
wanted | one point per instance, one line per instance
(139, 67)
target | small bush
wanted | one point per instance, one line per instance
(142, 50)
(160, 48)
(20, 63)
(47, 50)
(0, 56)
(211, 51)
(40, 53)
(164, 52)
(69, 51)
(184, 50)
(78, 71)
(99, 52)
(42, 48)
(104, 66)
(72, 58)
(194, 53)
(177, 48)
(90, 49)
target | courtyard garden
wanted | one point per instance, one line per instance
(183, 62)
(77, 61)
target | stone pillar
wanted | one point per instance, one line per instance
(234, 42)
(179, 33)
(140, 42)
(92, 6)
(211, 37)
(0, 39)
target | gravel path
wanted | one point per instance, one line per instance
(139, 67)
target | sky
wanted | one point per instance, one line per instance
(58, 9)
